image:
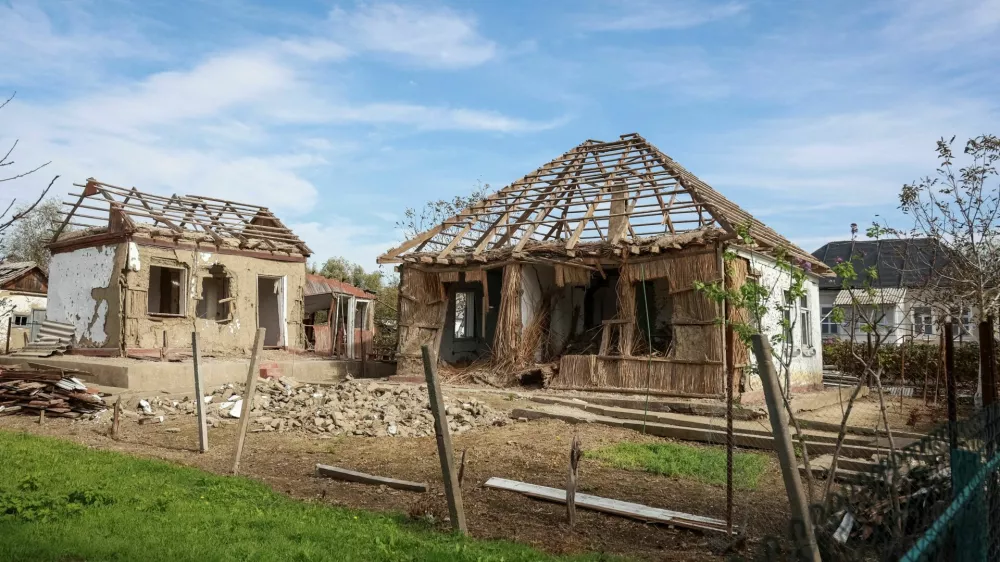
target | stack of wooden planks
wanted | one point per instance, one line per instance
(29, 391)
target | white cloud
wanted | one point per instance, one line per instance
(314, 49)
(821, 162)
(939, 26)
(431, 37)
(643, 15)
(339, 236)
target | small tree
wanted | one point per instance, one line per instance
(960, 209)
(9, 219)
(435, 212)
(27, 239)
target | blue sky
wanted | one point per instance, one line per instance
(339, 115)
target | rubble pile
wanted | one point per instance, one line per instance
(352, 407)
(30, 391)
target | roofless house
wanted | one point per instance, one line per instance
(135, 272)
(591, 259)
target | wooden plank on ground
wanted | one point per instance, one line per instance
(615, 507)
(346, 475)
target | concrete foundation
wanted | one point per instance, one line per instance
(179, 376)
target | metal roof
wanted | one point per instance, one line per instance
(319, 285)
(904, 263)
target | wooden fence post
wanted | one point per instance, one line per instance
(248, 394)
(451, 487)
(574, 463)
(10, 325)
(199, 392)
(117, 419)
(802, 527)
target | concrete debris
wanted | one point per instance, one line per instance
(352, 407)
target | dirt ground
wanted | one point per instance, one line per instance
(534, 452)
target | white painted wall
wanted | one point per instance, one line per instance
(902, 321)
(17, 304)
(807, 357)
(72, 277)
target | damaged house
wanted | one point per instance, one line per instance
(340, 318)
(590, 262)
(134, 272)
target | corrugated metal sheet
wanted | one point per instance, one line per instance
(893, 295)
(319, 285)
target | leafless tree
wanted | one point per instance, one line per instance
(960, 208)
(9, 174)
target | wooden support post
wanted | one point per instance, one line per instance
(199, 392)
(949, 373)
(117, 419)
(163, 350)
(802, 528)
(451, 486)
(574, 463)
(248, 395)
(10, 325)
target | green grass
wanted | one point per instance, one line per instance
(704, 464)
(63, 502)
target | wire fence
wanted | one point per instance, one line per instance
(936, 499)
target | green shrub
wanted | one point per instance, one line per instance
(922, 361)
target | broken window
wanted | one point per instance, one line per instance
(165, 292)
(20, 320)
(215, 298)
(465, 314)
(360, 316)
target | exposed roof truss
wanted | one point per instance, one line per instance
(118, 208)
(619, 194)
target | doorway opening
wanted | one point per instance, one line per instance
(271, 310)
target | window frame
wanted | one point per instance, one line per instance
(828, 326)
(925, 325)
(181, 297)
(805, 318)
(14, 321)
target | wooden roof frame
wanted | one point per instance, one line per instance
(618, 194)
(119, 207)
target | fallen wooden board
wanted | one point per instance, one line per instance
(338, 473)
(615, 507)
(717, 437)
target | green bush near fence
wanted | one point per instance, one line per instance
(915, 362)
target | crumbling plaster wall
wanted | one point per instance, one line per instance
(236, 334)
(84, 292)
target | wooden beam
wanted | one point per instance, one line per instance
(614, 507)
(346, 475)
(68, 216)
(571, 243)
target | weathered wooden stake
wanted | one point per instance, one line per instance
(199, 392)
(163, 350)
(801, 521)
(10, 324)
(451, 486)
(41, 416)
(461, 469)
(116, 421)
(574, 462)
(248, 395)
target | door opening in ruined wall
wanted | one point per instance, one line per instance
(270, 309)
(164, 296)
